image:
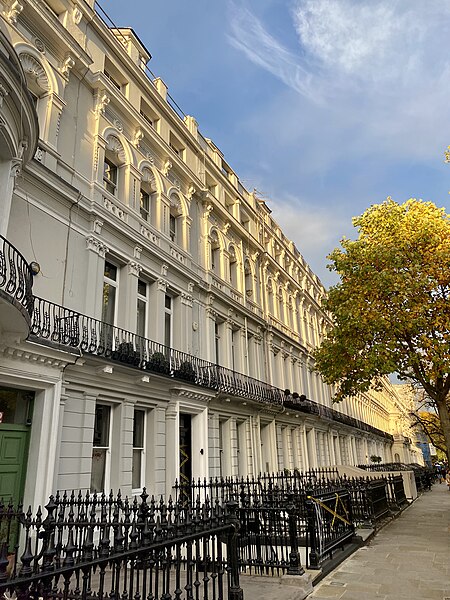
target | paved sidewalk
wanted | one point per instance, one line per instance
(409, 559)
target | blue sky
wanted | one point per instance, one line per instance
(324, 106)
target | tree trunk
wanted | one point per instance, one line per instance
(444, 417)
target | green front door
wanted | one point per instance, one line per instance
(13, 462)
(15, 421)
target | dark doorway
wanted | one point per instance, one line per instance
(185, 455)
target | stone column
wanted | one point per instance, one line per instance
(312, 448)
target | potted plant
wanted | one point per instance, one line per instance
(185, 371)
(158, 363)
(126, 353)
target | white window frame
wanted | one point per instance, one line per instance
(144, 211)
(107, 181)
(107, 448)
(144, 299)
(168, 311)
(113, 283)
(142, 449)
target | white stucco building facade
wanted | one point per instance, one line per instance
(140, 230)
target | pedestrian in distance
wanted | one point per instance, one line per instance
(447, 480)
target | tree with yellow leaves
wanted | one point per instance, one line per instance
(391, 310)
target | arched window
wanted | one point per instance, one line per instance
(233, 274)
(112, 166)
(248, 279)
(174, 220)
(146, 192)
(281, 315)
(215, 253)
(270, 294)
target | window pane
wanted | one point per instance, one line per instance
(137, 466)
(110, 271)
(168, 302)
(138, 429)
(173, 227)
(144, 205)
(101, 426)
(98, 470)
(140, 328)
(109, 303)
(167, 328)
(142, 288)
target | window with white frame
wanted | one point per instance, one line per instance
(233, 268)
(142, 308)
(168, 320)
(110, 172)
(234, 349)
(138, 449)
(248, 279)
(149, 115)
(144, 204)
(176, 145)
(110, 289)
(173, 227)
(215, 254)
(101, 448)
(217, 343)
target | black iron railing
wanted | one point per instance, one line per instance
(16, 278)
(64, 327)
(89, 546)
(305, 405)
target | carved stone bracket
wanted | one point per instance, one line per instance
(102, 102)
(67, 65)
(134, 268)
(162, 285)
(13, 14)
(97, 246)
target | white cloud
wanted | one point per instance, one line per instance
(314, 230)
(377, 70)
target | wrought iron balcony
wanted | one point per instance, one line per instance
(64, 327)
(16, 279)
(303, 404)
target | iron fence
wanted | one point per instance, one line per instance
(104, 546)
(329, 522)
(16, 278)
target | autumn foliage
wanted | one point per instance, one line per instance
(391, 310)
